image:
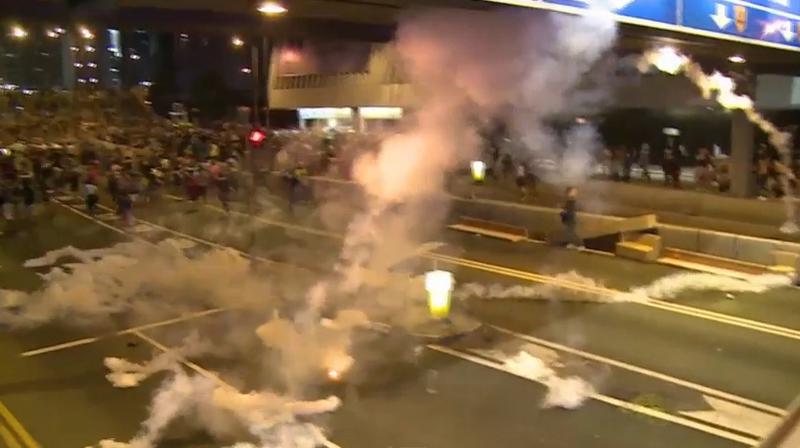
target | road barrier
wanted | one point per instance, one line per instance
(541, 222)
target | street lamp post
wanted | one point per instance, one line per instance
(269, 9)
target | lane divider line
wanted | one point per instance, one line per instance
(622, 404)
(90, 340)
(646, 372)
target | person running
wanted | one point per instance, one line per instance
(644, 160)
(522, 181)
(28, 197)
(569, 218)
(91, 196)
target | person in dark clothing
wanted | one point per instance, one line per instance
(92, 197)
(569, 218)
(28, 197)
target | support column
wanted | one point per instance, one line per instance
(742, 150)
(104, 58)
(67, 60)
(358, 120)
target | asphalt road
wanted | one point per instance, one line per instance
(651, 368)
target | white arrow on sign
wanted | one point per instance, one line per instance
(616, 4)
(720, 17)
(731, 415)
(786, 31)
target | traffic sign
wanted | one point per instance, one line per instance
(773, 23)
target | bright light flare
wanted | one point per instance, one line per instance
(237, 41)
(726, 95)
(439, 285)
(669, 60)
(51, 34)
(18, 32)
(272, 8)
(85, 32)
(478, 168)
(736, 59)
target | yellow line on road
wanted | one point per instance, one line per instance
(567, 284)
(8, 438)
(17, 427)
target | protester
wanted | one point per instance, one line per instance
(91, 196)
(569, 219)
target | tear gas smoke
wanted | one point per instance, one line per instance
(134, 281)
(274, 420)
(564, 282)
(567, 393)
(512, 66)
(497, 64)
(663, 288)
(723, 90)
(673, 285)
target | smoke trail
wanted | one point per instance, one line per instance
(135, 281)
(673, 285)
(275, 421)
(723, 90)
(543, 292)
(567, 392)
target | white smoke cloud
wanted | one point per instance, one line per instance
(568, 392)
(673, 285)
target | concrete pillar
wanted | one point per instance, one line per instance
(742, 150)
(104, 59)
(67, 60)
(358, 120)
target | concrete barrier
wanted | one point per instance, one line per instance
(543, 221)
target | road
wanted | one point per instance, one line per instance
(703, 370)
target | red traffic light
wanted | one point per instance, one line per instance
(256, 137)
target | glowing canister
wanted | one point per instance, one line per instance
(478, 170)
(670, 61)
(439, 285)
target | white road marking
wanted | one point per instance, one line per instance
(90, 340)
(735, 416)
(622, 404)
(530, 276)
(776, 411)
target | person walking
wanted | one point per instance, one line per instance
(91, 196)
(644, 160)
(569, 218)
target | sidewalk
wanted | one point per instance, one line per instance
(672, 206)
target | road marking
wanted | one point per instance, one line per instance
(622, 404)
(17, 427)
(733, 415)
(776, 411)
(8, 438)
(531, 276)
(150, 326)
(762, 327)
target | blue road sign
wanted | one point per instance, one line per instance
(662, 11)
(773, 23)
(745, 20)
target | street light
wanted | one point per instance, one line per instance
(18, 32)
(237, 41)
(272, 8)
(51, 34)
(736, 59)
(86, 33)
